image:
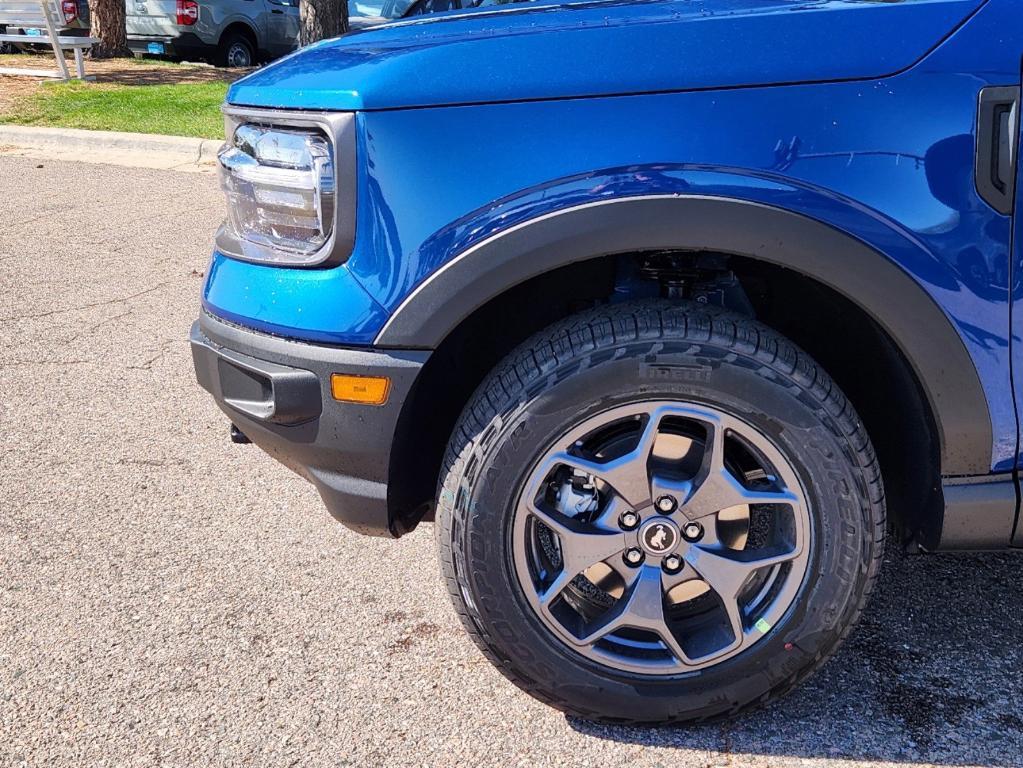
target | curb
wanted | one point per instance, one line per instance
(132, 149)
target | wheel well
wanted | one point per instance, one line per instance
(840, 336)
(244, 30)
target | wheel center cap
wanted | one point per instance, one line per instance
(659, 536)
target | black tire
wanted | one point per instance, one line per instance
(622, 353)
(7, 48)
(233, 45)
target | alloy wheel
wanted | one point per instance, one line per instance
(661, 537)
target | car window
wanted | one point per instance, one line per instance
(436, 6)
(386, 9)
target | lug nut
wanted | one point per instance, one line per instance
(692, 532)
(633, 556)
(672, 563)
(666, 505)
(628, 520)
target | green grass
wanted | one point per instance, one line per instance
(183, 109)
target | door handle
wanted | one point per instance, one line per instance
(274, 10)
(997, 140)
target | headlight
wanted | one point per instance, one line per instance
(280, 190)
(281, 186)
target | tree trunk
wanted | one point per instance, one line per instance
(321, 19)
(107, 23)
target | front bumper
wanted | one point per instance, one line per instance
(277, 392)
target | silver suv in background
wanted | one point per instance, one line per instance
(231, 33)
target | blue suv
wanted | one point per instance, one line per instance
(667, 314)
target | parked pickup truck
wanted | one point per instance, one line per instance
(667, 314)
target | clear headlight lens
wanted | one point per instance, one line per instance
(280, 192)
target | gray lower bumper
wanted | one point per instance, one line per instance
(277, 392)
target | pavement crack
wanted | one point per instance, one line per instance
(93, 305)
(93, 328)
(148, 364)
(14, 363)
(33, 219)
(178, 462)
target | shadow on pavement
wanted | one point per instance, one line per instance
(933, 674)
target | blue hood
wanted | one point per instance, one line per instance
(604, 47)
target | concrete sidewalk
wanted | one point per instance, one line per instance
(135, 150)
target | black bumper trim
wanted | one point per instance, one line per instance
(277, 392)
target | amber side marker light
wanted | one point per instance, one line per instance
(368, 390)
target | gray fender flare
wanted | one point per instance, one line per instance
(883, 290)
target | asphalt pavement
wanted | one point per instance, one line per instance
(169, 598)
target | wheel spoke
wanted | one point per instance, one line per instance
(671, 580)
(582, 545)
(715, 488)
(628, 475)
(734, 614)
(641, 607)
(562, 580)
(720, 490)
(608, 518)
(726, 574)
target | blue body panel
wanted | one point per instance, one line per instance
(1016, 322)
(888, 160)
(315, 304)
(527, 52)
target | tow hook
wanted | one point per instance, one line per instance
(237, 436)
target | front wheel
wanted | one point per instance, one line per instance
(659, 513)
